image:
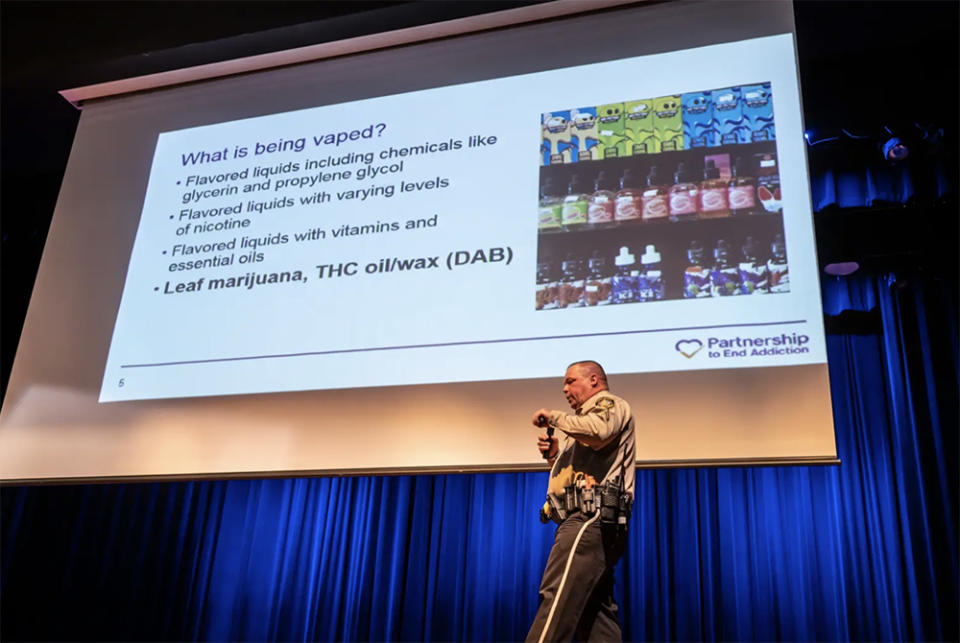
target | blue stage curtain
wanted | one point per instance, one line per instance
(861, 187)
(846, 176)
(866, 550)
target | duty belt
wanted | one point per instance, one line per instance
(614, 504)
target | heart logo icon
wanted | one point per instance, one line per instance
(689, 347)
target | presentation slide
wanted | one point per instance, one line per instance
(381, 261)
(644, 210)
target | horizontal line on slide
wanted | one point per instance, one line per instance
(447, 344)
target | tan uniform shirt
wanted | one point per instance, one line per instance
(598, 440)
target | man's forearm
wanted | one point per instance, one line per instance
(591, 429)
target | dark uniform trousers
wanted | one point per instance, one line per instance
(585, 606)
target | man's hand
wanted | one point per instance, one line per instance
(540, 417)
(548, 446)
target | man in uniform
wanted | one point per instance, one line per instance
(593, 449)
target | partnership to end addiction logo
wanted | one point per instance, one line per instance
(740, 347)
(689, 347)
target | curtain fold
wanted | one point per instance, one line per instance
(847, 175)
(864, 186)
(866, 550)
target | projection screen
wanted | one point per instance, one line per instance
(383, 262)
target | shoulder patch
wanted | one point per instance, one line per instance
(602, 408)
(605, 403)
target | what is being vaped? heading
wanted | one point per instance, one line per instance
(281, 145)
(200, 157)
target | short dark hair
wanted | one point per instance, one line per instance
(592, 367)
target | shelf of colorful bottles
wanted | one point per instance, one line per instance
(749, 184)
(599, 250)
(666, 161)
(722, 273)
(656, 225)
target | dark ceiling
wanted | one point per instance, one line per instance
(863, 65)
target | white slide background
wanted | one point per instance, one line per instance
(447, 323)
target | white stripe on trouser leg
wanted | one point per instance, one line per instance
(563, 579)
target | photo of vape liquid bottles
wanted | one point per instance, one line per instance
(705, 186)
(676, 196)
(639, 273)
